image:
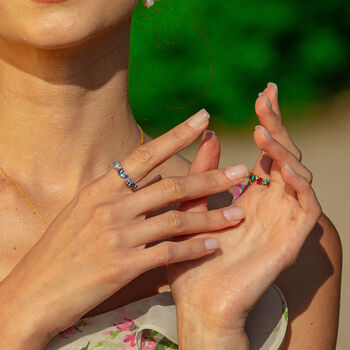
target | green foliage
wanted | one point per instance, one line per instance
(300, 45)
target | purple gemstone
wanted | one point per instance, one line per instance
(260, 180)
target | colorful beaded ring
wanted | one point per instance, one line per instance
(130, 183)
(255, 178)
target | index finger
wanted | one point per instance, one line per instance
(148, 156)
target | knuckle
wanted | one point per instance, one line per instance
(117, 238)
(318, 211)
(174, 220)
(167, 253)
(175, 186)
(298, 153)
(194, 248)
(102, 214)
(143, 154)
(212, 180)
(178, 134)
(315, 210)
(277, 128)
(309, 176)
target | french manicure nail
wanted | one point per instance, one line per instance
(212, 243)
(264, 131)
(262, 94)
(236, 172)
(290, 169)
(234, 213)
(271, 84)
(200, 118)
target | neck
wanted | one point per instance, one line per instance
(64, 113)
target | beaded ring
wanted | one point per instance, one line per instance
(255, 178)
(128, 181)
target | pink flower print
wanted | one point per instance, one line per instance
(148, 344)
(69, 330)
(126, 326)
(107, 333)
(130, 338)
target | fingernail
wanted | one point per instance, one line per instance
(266, 99)
(207, 134)
(212, 243)
(236, 172)
(200, 118)
(290, 169)
(234, 213)
(271, 84)
(264, 131)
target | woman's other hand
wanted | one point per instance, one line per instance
(279, 218)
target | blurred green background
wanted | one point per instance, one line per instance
(300, 45)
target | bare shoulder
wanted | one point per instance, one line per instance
(312, 289)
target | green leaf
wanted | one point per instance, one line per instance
(86, 346)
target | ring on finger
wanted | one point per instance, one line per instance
(123, 174)
(257, 179)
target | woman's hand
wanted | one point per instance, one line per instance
(97, 243)
(214, 295)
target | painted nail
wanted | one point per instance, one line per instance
(234, 213)
(271, 84)
(262, 94)
(264, 131)
(207, 135)
(290, 169)
(200, 118)
(236, 172)
(212, 243)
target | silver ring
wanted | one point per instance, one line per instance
(122, 173)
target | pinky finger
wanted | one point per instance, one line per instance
(169, 252)
(305, 193)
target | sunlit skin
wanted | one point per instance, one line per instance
(64, 77)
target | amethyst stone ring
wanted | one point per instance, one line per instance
(128, 181)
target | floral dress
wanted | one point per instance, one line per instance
(150, 324)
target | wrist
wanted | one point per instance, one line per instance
(19, 328)
(17, 335)
(195, 332)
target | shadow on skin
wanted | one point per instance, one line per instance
(301, 282)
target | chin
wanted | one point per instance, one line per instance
(55, 32)
(63, 24)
